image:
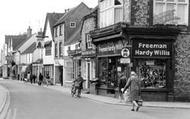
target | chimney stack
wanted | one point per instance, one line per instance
(29, 32)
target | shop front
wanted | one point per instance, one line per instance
(149, 51)
(152, 60)
(88, 67)
(111, 62)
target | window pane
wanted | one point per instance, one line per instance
(159, 8)
(118, 15)
(181, 10)
(170, 6)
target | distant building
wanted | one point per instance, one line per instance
(67, 35)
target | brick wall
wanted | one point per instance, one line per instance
(182, 68)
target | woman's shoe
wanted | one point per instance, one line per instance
(132, 110)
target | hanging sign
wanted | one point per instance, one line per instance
(125, 52)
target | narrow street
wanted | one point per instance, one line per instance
(37, 102)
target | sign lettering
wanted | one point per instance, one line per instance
(151, 49)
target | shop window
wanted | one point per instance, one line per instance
(152, 73)
(171, 12)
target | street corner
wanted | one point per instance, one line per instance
(4, 102)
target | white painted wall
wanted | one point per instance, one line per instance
(26, 58)
(37, 54)
(48, 59)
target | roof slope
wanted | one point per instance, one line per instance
(52, 18)
(74, 15)
(30, 49)
(16, 40)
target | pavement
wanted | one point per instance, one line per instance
(115, 101)
(4, 102)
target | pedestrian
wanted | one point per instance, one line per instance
(121, 84)
(133, 84)
(28, 76)
(40, 79)
(34, 78)
(47, 80)
(31, 78)
(78, 83)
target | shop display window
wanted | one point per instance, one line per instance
(152, 74)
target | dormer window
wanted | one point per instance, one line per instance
(72, 24)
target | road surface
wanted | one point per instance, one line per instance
(36, 102)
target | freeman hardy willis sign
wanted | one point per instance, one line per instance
(151, 49)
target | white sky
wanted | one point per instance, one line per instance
(17, 15)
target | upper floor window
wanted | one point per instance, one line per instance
(88, 41)
(77, 46)
(111, 12)
(171, 12)
(56, 51)
(72, 24)
(47, 51)
(61, 30)
(55, 31)
(60, 49)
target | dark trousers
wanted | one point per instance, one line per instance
(77, 91)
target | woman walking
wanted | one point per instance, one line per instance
(133, 84)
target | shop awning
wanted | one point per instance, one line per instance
(108, 37)
(48, 44)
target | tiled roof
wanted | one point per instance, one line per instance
(52, 18)
(75, 10)
(72, 35)
(74, 38)
(30, 49)
(16, 40)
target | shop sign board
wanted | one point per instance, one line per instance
(110, 48)
(88, 53)
(152, 48)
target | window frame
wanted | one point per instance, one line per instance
(176, 3)
(60, 49)
(111, 7)
(72, 26)
(47, 51)
(56, 51)
(89, 44)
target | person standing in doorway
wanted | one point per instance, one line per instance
(133, 84)
(121, 84)
(61, 79)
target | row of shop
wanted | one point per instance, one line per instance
(149, 51)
